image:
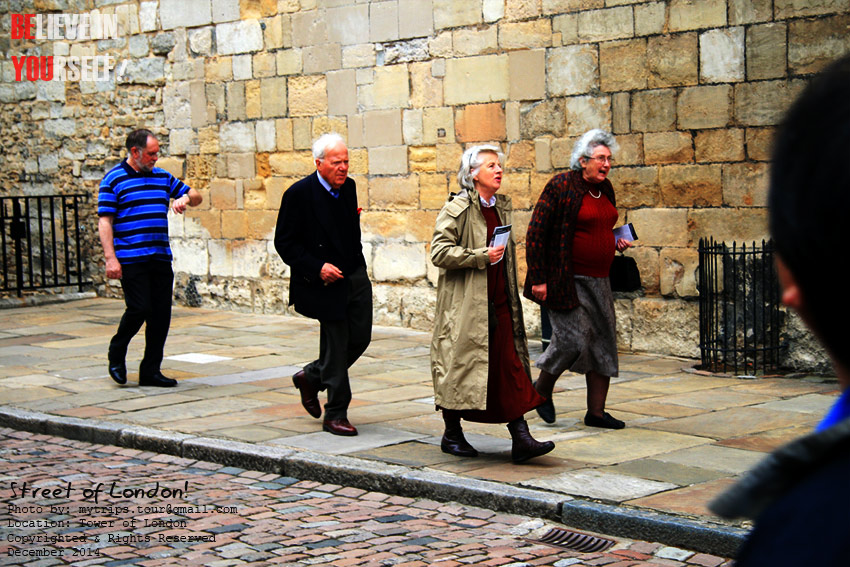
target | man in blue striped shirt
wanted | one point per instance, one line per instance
(133, 204)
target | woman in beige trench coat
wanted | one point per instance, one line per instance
(479, 355)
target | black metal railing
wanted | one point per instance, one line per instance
(41, 240)
(739, 315)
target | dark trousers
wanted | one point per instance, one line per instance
(341, 343)
(147, 294)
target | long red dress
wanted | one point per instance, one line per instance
(510, 394)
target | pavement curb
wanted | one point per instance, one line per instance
(695, 535)
(47, 299)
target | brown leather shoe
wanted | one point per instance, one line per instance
(309, 396)
(339, 427)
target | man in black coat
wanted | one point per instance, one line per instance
(318, 236)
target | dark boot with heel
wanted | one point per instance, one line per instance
(453, 442)
(525, 446)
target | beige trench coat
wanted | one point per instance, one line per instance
(460, 345)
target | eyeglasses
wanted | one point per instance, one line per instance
(602, 159)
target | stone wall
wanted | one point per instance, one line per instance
(237, 90)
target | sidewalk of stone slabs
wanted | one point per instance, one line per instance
(688, 436)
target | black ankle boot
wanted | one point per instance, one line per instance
(453, 442)
(524, 445)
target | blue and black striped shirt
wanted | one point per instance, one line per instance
(139, 201)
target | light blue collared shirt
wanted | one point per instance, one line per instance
(334, 192)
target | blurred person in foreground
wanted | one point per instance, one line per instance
(479, 353)
(569, 249)
(799, 496)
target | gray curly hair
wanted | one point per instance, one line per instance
(470, 164)
(589, 140)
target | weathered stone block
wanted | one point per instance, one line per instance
(453, 14)
(433, 189)
(525, 35)
(390, 89)
(635, 187)
(321, 58)
(799, 8)
(218, 69)
(362, 55)
(448, 157)
(480, 123)
(660, 227)
(565, 29)
(705, 107)
(666, 326)
(750, 11)
(720, 145)
(266, 136)
(759, 143)
(679, 268)
(426, 89)
(190, 256)
(237, 137)
(342, 92)
(571, 70)
(238, 37)
(631, 150)
(726, 225)
(560, 6)
(383, 21)
(188, 14)
(240, 166)
(527, 71)
(520, 155)
(586, 112)
(812, 44)
(606, 25)
(474, 41)
(273, 95)
(388, 160)
(512, 120)
(422, 158)
(766, 51)
(289, 61)
(309, 27)
(398, 261)
(521, 9)
(672, 60)
(223, 194)
(561, 152)
(696, 14)
(411, 126)
(415, 18)
(621, 113)
(543, 154)
(764, 103)
(648, 266)
(476, 79)
(622, 65)
(653, 110)
(293, 164)
(691, 185)
(394, 192)
(254, 100)
(348, 25)
(650, 18)
(542, 118)
(264, 64)
(515, 184)
(722, 55)
(307, 95)
(745, 184)
(235, 97)
(382, 128)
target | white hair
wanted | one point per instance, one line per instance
(324, 143)
(585, 145)
(470, 164)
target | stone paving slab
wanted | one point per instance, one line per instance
(693, 432)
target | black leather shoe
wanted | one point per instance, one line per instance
(607, 421)
(157, 380)
(524, 445)
(309, 396)
(339, 427)
(546, 410)
(118, 372)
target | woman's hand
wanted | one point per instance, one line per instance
(539, 291)
(495, 253)
(622, 244)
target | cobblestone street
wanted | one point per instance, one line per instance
(55, 491)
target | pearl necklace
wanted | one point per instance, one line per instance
(595, 196)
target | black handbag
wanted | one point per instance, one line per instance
(624, 274)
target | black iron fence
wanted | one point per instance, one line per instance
(41, 241)
(739, 315)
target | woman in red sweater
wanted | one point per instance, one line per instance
(569, 249)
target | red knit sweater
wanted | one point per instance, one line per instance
(593, 244)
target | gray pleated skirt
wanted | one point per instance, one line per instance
(584, 339)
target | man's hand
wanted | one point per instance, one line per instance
(330, 273)
(179, 205)
(113, 269)
(539, 291)
(495, 253)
